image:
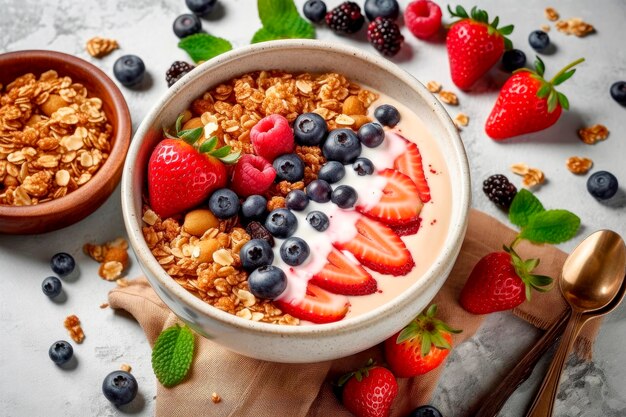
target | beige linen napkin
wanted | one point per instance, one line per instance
(250, 387)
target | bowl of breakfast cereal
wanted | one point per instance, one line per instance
(296, 200)
(64, 133)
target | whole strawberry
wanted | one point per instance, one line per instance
(528, 103)
(420, 347)
(474, 45)
(369, 391)
(501, 281)
(183, 172)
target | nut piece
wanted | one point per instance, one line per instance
(433, 86)
(593, 134)
(111, 270)
(98, 47)
(199, 221)
(449, 97)
(579, 165)
(520, 169)
(204, 250)
(150, 217)
(353, 105)
(104, 305)
(215, 398)
(461, 120)
(72, 324)
(53, 104)
(574, 26)
(551, 14)
(126, 367)
(532, 176)
(344, 120)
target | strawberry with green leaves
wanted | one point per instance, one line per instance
(369, 391)
(183, 170)
(474, 45)
(528, 103)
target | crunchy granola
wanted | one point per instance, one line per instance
(579, 165)
(72, 324)
(113, 257)
(215, 398)
(545, 28)
(574, 26)
(99, 47)
(551, 14)
(531, 176)
(592, 134)
(126, 367)
(461, 120)
(448, 97)
(433, 86)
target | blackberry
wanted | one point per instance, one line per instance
(384, 34)
(345, 18)
(176, 71)
(499, 190)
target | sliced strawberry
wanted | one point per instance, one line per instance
(343, 276)
(399, 203)
(377, 247)
(318, 306)
(407, 228)
(410, 164)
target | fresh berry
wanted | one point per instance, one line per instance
(314, 10)
(425, 411)
(363, 166)
(119, 387)
(371, 135)
(384, 35)
(129, 70)
(331, 172)
(344, 276)
(62, 264)
(388, 9)
(513, 59)
(51, 286)
(252, 175)
(345, 18)
(267, 282)
(387, 115)
(377, 247)
(61, 352)
(501, 281)
(539, 40)
(528, 103)
(257, 231)
(318, 220)
(310, 129)
(406, 229)
(474, 45)
(399, 202)
(344, 196)
(272, 137)
(423, 18)
(255, 253)
(499, 190)
(319, 191)
(342, 145)
(369, 391)
(618, 92)
(602, 185)
(420, 347)
(294, 251)
(224, 203)
(296, 200)
(410, 164)
(318, 306)
(281, 223)
(289, 167)
(254, 208)
(201, 7)
(187, 25)
(176, 72)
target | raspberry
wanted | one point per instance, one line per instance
(272, 137)
(176, 71)
(257, 231)
(423, 18)
(384, 34)
(500, 190)
(252, 175)
(345, 18)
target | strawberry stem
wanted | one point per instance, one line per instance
(570, 65)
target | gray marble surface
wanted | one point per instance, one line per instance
(32, 386)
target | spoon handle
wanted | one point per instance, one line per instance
(543, 404)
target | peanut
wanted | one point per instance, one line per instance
(204, 250)
(352, 105)
(54, 103)
(199, 221)
(193, 123)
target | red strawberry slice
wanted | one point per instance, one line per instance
(407, 228)
(410, 164)
(343, 276)
(377, 247)
(318, 306)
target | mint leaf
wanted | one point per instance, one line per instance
(523, 207)
(202, 46)
(551, 226)
(281, 20)
(172, 355)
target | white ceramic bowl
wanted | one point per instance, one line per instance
(305, 343)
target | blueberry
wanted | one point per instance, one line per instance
(62, 264)
(119, 387)
(539, 40)
(319, 191)
(344, 196)
(314, 10)
(384, 8)
(224, 203)
(129, 70)
(254, 208)
(331, 172)
(281, 223)
(318, 220)
(425, 411)
(310, 129)
(602, 185)
(61, 352)
(256, 253)
(296, 200)
(618, 92)
(201, 7)
(267, 282)
(363, 166)
(294, 251)
(387, 115)
(51, 286)
(289, 167)
(371, 135)
(187, 25)
(342, 145)
(513, 59)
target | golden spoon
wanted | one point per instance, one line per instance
(591, 278)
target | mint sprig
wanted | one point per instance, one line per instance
(202, 46)
(172, 355)
(281, 20)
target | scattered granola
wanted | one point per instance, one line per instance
(104, 305)
(448, 97)
(433, 86)
(461, 120)
(579, 165)
(574, 26)
(72, 324)
(551, 14)
(99, 47)
(531, 176)
(122, 282)
(592, 134)
(215, 398)
(113, 257)
(545, 28)
(126, 367)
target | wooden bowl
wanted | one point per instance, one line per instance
(78, 204)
